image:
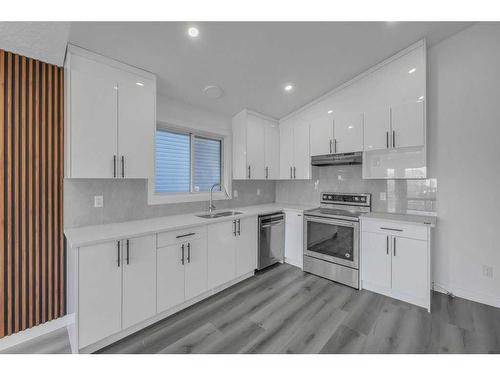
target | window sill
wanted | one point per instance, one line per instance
(169, 198)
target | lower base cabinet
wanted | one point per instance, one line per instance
(294, 238)
(395, 260)
(116, 286)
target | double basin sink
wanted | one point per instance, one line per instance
(219, 214)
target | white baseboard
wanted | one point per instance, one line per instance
(475, 296)
(39, 330)
(294, 262)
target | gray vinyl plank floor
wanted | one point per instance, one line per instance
(284, 310)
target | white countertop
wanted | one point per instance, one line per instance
(85, 236)
(412, 218)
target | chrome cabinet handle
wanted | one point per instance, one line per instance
(185, 235)
(118, 251)
(189, 252)
(387, 139)
(128, 252)
(387, 244)
(182, 250)
(123, 166)
(239, 227)
(393, 229)
(393, 138)
(294, 174)
(234, 227)
(394, 246)
(331, 145)
(335, 146)
(267, 173)
(249, 172)
(114, 166)
(291, 176)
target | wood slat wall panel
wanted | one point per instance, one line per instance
(32, 255)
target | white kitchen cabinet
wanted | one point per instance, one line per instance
(111, 118)
(255, 146)
(294, 238)
(246, 245)
(99, 292)
(170, 277)
(376, 259)
(136, 135)
(272, 152)
(348, 131)
(195, 275)
(408, 125)
(395, 260)
(321, 135)
(181, 266)
(221, 253)
(139, 280)
(93, 115)
(377, 129)
(295, 158)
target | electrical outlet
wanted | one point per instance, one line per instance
(316, 185)
(488, 271)
(383, 196)
(258, 191)
(235, 193)
(98, 201)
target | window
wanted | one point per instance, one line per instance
(187, 162)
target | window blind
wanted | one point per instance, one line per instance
(207, 163)
(172, 162)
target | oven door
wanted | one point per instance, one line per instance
(333, 240)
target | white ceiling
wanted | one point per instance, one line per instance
(252, 61)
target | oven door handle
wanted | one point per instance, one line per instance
(342, 223)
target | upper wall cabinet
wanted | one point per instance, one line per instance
(255, 147)
(295, 159)
(348, 132)
(111, 118)
(321, 134)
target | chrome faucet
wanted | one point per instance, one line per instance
(211, 206)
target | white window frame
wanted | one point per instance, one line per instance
(166, 198)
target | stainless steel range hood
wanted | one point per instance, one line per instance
(350, 158)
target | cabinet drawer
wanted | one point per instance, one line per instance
(395, 228)
(181, 235)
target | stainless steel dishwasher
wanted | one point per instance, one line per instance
(271, 239)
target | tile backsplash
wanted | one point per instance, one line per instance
(401, 196)
(127, 200)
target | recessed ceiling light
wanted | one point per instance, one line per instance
(213, 92)
(330, 111)
(139, 84)
(193, 32)
(288, 87)
(412, 70)
(421, 98)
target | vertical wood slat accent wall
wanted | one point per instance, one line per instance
(32, 246)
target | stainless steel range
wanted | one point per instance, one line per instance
(331, 237)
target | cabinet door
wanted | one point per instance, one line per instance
(349, 132)
(255, 148)
(139, 280)
(196, 268)
(408, 124)
(93, 120)
(170, 276)
(377, 130)
(294, 238)
(99, 292)
(221, 253)
(246, 246)
(286, 150)
(322, 135)
(376, 259)
(409, 267)
(136, 127)
(272, 142)
(301, 155)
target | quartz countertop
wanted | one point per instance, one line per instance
(411, 218)
(90, 235)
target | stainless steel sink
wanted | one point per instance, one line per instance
(219, 214)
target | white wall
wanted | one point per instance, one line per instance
(464, 155)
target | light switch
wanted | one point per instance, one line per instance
(98, 201)
(383, 196)
(235, 193)
(258, 191)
